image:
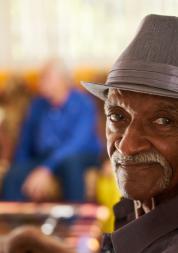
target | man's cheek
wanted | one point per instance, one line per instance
(112, 127)
(109, 128)
(109, 148)
(111, 138)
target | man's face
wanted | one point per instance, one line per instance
(142, 142)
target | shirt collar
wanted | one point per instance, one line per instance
(140, 233)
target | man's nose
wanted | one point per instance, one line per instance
(133, 141)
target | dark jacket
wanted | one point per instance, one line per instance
(155, 232)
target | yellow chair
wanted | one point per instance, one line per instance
(107, 193)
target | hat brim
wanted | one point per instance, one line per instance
(101, 90)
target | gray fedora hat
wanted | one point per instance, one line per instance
(149, 64)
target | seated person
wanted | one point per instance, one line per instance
(29, 239)
(58, 140)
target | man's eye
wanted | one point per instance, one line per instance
(163, 121)
(116, 117)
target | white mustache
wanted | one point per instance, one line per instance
(119, 160)
(146, 157)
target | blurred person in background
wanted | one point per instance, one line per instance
(57, 143)
(26, 239)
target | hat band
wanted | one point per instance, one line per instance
(146, 66)
(160, 76)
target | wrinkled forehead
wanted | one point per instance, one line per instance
(114, 93)
(117, 97)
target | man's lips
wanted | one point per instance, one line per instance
(132, 166)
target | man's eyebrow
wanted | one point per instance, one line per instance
(168, 107)
(108, 105)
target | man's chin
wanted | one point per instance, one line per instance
(135, 195)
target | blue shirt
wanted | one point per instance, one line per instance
(56, 133)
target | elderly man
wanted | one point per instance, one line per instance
(141, 106)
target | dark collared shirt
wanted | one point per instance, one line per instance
(155, 232)
(107, 246)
